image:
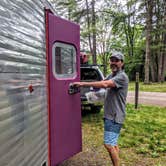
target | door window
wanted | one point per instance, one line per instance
(64, 60)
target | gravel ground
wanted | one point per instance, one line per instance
(128, 158)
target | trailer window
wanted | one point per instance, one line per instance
(64, 60)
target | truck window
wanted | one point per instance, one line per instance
(64, 60)
(89, 74)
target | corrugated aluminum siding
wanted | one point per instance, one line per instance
(23, 115)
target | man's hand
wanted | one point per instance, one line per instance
(77, 84)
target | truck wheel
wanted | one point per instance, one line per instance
(96, 109)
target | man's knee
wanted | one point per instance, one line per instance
(109, 147)
(112, 149)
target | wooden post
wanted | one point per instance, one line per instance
(136, 89)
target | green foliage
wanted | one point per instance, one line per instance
(135, 63)
(153, 87)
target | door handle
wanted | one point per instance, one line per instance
(73, 89)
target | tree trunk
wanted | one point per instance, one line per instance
(94, 31)
(153, 68)
(160, 60)
(163, 70)
(164, 46)
(88, 23)
(105, 66)
(149, 8)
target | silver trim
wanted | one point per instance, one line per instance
(23, 115)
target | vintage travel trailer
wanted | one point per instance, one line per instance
(40, 116)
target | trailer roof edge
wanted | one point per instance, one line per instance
(48, 5)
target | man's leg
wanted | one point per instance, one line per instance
(113, 152)
(111, 135)
(117, 149)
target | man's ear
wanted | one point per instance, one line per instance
(123, 66)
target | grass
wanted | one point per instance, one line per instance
(153, 87)
(145, 129)
(142, 141)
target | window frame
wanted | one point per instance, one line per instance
(74, 64)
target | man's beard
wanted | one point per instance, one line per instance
(114, 68)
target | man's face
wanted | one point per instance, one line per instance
(115, 64)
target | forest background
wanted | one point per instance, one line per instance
(135, 27)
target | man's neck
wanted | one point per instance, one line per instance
(114, 73)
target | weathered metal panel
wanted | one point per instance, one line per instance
(23, 115)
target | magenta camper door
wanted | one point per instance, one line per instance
(64, 102)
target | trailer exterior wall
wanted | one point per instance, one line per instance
(23, 115)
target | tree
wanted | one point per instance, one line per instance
(94, 31)
(155, 30)
(137, 28)
(149, 9)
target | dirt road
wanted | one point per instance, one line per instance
(148, 98)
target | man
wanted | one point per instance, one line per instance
(116, 85)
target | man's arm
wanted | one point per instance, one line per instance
(96, 84)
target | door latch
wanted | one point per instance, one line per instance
(73, 89)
